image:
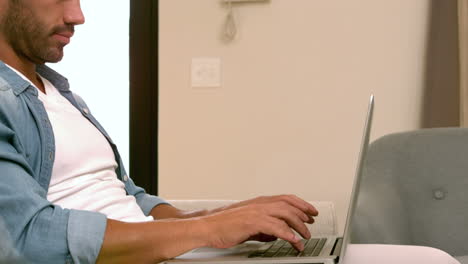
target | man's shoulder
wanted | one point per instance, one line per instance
(11, 84)
(4, 84)
(12, 105)
(7, 96)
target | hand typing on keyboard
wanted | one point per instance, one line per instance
(261, 219)
(281, 248)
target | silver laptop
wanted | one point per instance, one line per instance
(317, 250)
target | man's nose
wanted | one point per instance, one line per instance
(73, 13)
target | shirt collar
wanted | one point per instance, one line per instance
(19, 85)
(60, 82)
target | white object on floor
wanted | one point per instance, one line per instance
(391, 254)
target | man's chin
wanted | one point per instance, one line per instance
(51, 56)
(54, 60)
(54, 57)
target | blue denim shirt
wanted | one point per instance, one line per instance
(43, 232)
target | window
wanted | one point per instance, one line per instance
(96, 63)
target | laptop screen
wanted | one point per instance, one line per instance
(357, 178)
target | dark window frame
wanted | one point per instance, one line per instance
(144, 93)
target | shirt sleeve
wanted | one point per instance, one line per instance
(146, 201)
(40, 231)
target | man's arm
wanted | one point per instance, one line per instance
(148, 242)
(155, 241)
(165, 211)
(40, 231)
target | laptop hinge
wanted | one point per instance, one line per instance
(337, 247)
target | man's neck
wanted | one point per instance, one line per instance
(29, 71)
(21, 64)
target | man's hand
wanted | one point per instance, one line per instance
(261, 219)
(292, 200)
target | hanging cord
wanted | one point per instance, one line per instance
(230, 27)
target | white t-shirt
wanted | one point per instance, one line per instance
(83, 175)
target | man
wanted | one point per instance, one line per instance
(64, 195)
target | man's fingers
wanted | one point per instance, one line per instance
(294, 217)
(311, 220)
(293, 200)
(299, 203)
(280, 229)
(259, 221)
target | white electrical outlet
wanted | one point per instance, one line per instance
(206, 72)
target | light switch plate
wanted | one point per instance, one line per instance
(206, 72)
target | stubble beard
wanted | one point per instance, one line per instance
(29, 37)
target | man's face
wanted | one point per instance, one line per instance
(38, 30)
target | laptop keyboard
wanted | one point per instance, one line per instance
(281, 248)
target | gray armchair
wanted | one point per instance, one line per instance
(415, 191)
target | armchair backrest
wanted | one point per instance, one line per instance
(415, 191)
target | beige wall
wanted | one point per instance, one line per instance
(289, 114)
